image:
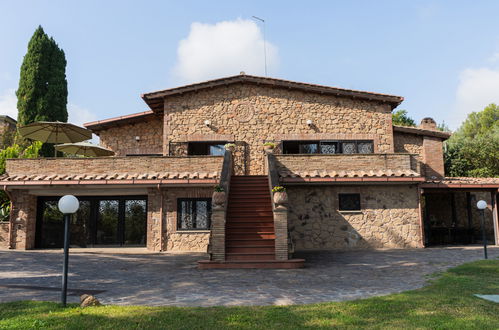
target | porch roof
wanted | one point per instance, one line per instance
(111, 179)
(350, 176)
(462, 182)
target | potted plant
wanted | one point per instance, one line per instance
(280, 195)
(268, 146)
(230, 147)
(218, 197)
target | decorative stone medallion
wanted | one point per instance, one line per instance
(243, 112)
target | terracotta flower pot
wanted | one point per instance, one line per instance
(280, 198)
(218, 197)
(230, 148)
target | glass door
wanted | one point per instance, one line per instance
(107, 223)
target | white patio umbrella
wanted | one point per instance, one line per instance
(85, 149)
(55, 132)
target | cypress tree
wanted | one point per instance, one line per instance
(43, 92)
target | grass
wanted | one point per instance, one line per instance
(446, 303)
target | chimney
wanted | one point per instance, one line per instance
(428, 123)
(433, 157)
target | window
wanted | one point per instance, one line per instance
(206, 148)
(328, 147)
(193, 213)
(349, 202)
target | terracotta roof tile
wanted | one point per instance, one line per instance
(348, 174)
(112, 176)
(465, 180)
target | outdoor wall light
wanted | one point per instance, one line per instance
(310, 122)
(137, 138)
(68, 205)
(207, 123)
(482, 205)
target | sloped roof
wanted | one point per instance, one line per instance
(112, 178)
(155, 100)
(421, 131)
(462, 182)
(121, 120)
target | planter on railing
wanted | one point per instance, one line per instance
(218, 198)
(280, 195)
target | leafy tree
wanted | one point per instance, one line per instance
(14, 151)
(474, 149)
(401, 118)
(43, 92)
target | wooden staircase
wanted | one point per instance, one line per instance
(249, 227)
(249, 233)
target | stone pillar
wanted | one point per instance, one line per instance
(281, 232)
(155, 219)
(23, 220)
(218, 234)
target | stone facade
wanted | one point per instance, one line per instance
(389, 218)
(255, 114)
(4, 235)
(23, 220)
(410, 143)
(123, 139)
(184, 240)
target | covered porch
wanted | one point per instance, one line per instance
(450, 212)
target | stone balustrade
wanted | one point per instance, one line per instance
(112, 165)
(298, 163)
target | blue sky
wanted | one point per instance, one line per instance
(442, 56)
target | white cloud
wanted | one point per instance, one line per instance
(8, 103)
(477, 88)
(223, 49)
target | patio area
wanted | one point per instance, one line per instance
(136, 277)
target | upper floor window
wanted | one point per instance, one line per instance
(206, 148)
(328, 147)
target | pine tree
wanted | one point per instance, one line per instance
(43, 92)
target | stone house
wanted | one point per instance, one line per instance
(353, 179)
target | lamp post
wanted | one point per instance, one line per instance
(482, 205)
(68, 205)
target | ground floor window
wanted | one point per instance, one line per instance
(116, 221)
(193, 213)
(328, 147)
(349, 202)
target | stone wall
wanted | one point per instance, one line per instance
(389, 218)
(24, 220)
(255, 114)
(111, 165)
(179, 240)
(4, 235)
(121, 139)
(339, 162)
(410, 143)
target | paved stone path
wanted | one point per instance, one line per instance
(135, 277)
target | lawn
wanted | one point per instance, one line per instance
(446, 303)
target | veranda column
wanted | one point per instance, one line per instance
(281, 232)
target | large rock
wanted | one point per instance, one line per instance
(88, 300)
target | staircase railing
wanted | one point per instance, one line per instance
(280, 213)
(219, 213)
